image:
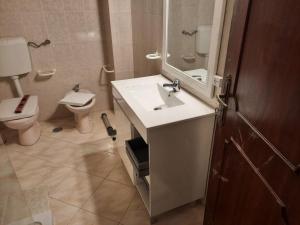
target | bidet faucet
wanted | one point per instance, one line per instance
(175, 85)
(76, 88)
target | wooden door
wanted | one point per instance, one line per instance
(255, 171)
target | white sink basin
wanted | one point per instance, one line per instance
(154, 97)
(154, 105)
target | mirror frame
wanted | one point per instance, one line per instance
(201, 90)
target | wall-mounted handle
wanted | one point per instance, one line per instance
(35, 45)
(106, 70)
(184, 32)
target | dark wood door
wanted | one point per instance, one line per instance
(255, 175)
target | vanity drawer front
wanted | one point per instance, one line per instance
(132, 117)
(138, 153)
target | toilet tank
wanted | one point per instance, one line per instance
(14, 57)
(203, 39)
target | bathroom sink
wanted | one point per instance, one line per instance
(155, 97)
(153, 105)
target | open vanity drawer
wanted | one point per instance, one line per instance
(138, 153)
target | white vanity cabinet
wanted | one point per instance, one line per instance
(179, 146)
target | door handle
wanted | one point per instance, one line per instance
(222, 98)
(221, 101)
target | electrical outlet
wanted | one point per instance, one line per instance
(218, 81)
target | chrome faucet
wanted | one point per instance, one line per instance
(76, 88)
(175, 85)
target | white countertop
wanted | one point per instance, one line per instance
(191, 109)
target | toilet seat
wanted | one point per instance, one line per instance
(8, 106)
(78, 99)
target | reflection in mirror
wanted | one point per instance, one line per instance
(189, 36)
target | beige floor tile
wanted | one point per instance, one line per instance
(136, 214)
(55, 177)
(98, 164)
(62, 213)
(43, 144)
(30, 170)
(77, 188)
(48, 126)
(110, 200)
(14, 209)
(26, 162)
(119, 174)
(9, 184)
(8, 180)
(70, 134)
(85, 218)
(72, 167)
(104, 144)
(32, 178)
(187, 215)
(61, 153)
(18, 160)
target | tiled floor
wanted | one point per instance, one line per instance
(86, 180)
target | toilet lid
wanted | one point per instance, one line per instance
(77, 98)
(8, 107)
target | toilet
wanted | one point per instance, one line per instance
(80, 103)
(15, 61)
(25, 123)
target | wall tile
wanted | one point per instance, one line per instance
(79, 31)
(43, 59)
(73, 5)
(53, 5)
(91, 5)
(34, 26)
(10, 24)
(10, 5)
(124, 6)
(57, 27)
(63, 56)
(124, 29)
(31, 5)
(147, 35)
(94, 22)
(75, 22)
(123, 58)
(121, 32)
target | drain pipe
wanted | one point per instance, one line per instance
(18, 85)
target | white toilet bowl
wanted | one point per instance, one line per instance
(81, 114)
(28, 128)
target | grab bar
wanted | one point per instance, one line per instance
(106, 70)
(184, 32)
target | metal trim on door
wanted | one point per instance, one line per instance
(283, 209)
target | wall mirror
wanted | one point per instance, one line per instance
(191, 42)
